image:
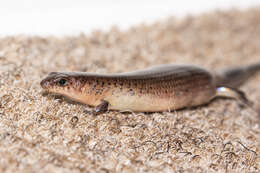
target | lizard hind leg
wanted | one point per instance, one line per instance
(233, 93)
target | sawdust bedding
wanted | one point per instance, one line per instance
(43, 133)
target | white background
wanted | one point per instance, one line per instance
(71, 17)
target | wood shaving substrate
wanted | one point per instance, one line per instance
(44, 133)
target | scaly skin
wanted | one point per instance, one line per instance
(161, 88)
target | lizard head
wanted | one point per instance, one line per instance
(61, 83)
(74, 85)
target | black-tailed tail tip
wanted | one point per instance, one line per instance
(254, 68)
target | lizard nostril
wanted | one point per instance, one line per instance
(44, 84)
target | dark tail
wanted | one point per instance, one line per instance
(235, 77)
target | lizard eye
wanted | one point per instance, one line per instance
(62, 82)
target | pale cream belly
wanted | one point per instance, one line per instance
(151, 103)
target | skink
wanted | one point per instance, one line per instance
(159, 88)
